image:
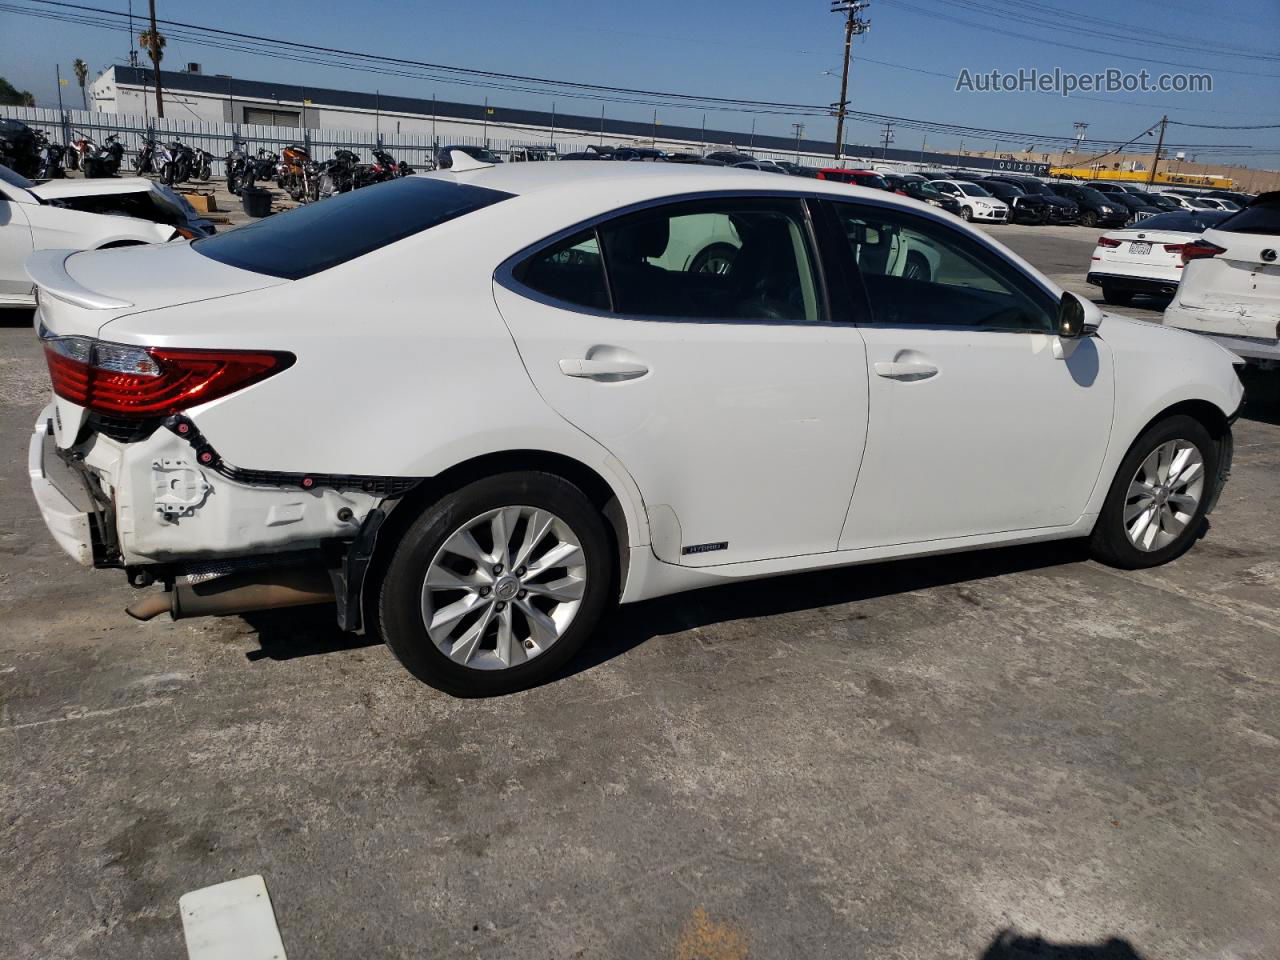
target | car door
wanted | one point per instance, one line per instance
(695, 342)
(15, 246)
(981, 420)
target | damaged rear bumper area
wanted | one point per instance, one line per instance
(222, 540)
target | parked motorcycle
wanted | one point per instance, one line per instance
(296, 174)
(340, 175)
(100, 160)
(50, 156)
(145, 161)
(180, 163)
(201, 165)
(237, 165)
(385, 167)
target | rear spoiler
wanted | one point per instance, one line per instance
(49, 271)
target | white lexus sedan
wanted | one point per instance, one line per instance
(475, 407)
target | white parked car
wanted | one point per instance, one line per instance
(975, 202)
(1147, 258)
(135, 197)
(476, 406)
(1230, 289)
(31, 220)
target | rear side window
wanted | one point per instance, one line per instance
(572, 271)
(1261, 216)
(322, 235)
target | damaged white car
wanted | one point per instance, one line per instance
(475, 407)
(1230, 289)
(83, 215)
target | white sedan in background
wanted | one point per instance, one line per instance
(1149, 257)
(39, 218)
(489, 405)
(975, 202)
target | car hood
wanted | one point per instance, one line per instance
(80, 292)
(98, 186)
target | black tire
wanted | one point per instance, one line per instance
(399, 612)
(966, 213)
(167, 174)
(1088, 219)
(714, 258)
(1116, 297)
(1109, 542)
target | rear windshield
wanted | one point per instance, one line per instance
(1261, 216)
(332, 231)
(1183, 222)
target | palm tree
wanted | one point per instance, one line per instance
(153, 42)
(82, 73)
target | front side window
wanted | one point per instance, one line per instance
(917, 272)
(973, 190)
(733, 259)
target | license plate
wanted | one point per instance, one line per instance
(1140, 246)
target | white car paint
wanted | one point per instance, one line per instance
(1234, 297)
(798, 445)
(985, 208)
(1139, 259)
(31, 221)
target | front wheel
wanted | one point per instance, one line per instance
(1088, 219)
(1156, 506)
(496, 586)
(967, 213)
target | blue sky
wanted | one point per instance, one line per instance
(774, 51)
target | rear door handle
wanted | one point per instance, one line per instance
(905, 371)
(602, 369)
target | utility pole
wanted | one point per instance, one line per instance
(886, 138)
(1164, 121)
(155, 60)
(799, 129)
(57, 69)
(133, 39)
(853, 26)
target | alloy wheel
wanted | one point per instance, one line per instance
(1164, 495)
(504, 587)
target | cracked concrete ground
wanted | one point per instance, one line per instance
(898, 761)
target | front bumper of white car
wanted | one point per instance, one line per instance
(994, 214)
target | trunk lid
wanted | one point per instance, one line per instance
(1243, 279)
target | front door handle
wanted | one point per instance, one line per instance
(905, 371)
(602, 369)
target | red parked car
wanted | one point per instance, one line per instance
(859, 178)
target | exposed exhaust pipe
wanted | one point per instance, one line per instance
(238, 593)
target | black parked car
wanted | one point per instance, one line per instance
(916, 187)
(18, 150)
(1060, 209)
(1023, 207)
(1159, 201)
(1096, 209)
(1139, 209)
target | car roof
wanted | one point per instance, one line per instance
(618, 184)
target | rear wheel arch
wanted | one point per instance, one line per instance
(592, 484)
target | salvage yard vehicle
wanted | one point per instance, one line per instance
(975, 202)
(1023, 207)
(537, 415)
(1059, 209)
(43, 217)
(1230, 290)
(135, 197)
(1147, 258)
(1096, 209)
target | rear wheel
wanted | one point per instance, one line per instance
(497, 585)
(1156, 506)
(716, 258)
(917, 267)
(1116, 296)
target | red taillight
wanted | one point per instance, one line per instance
(1108, 242)
(129, 381)
(1173, 247)
(1200, 250)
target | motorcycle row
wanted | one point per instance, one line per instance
(307, 180)
(31, 153)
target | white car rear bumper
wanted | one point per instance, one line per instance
(1213, 325)
(66, 519)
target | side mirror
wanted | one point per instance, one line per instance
(1077, 317)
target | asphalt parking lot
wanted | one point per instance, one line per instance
(921, 759)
